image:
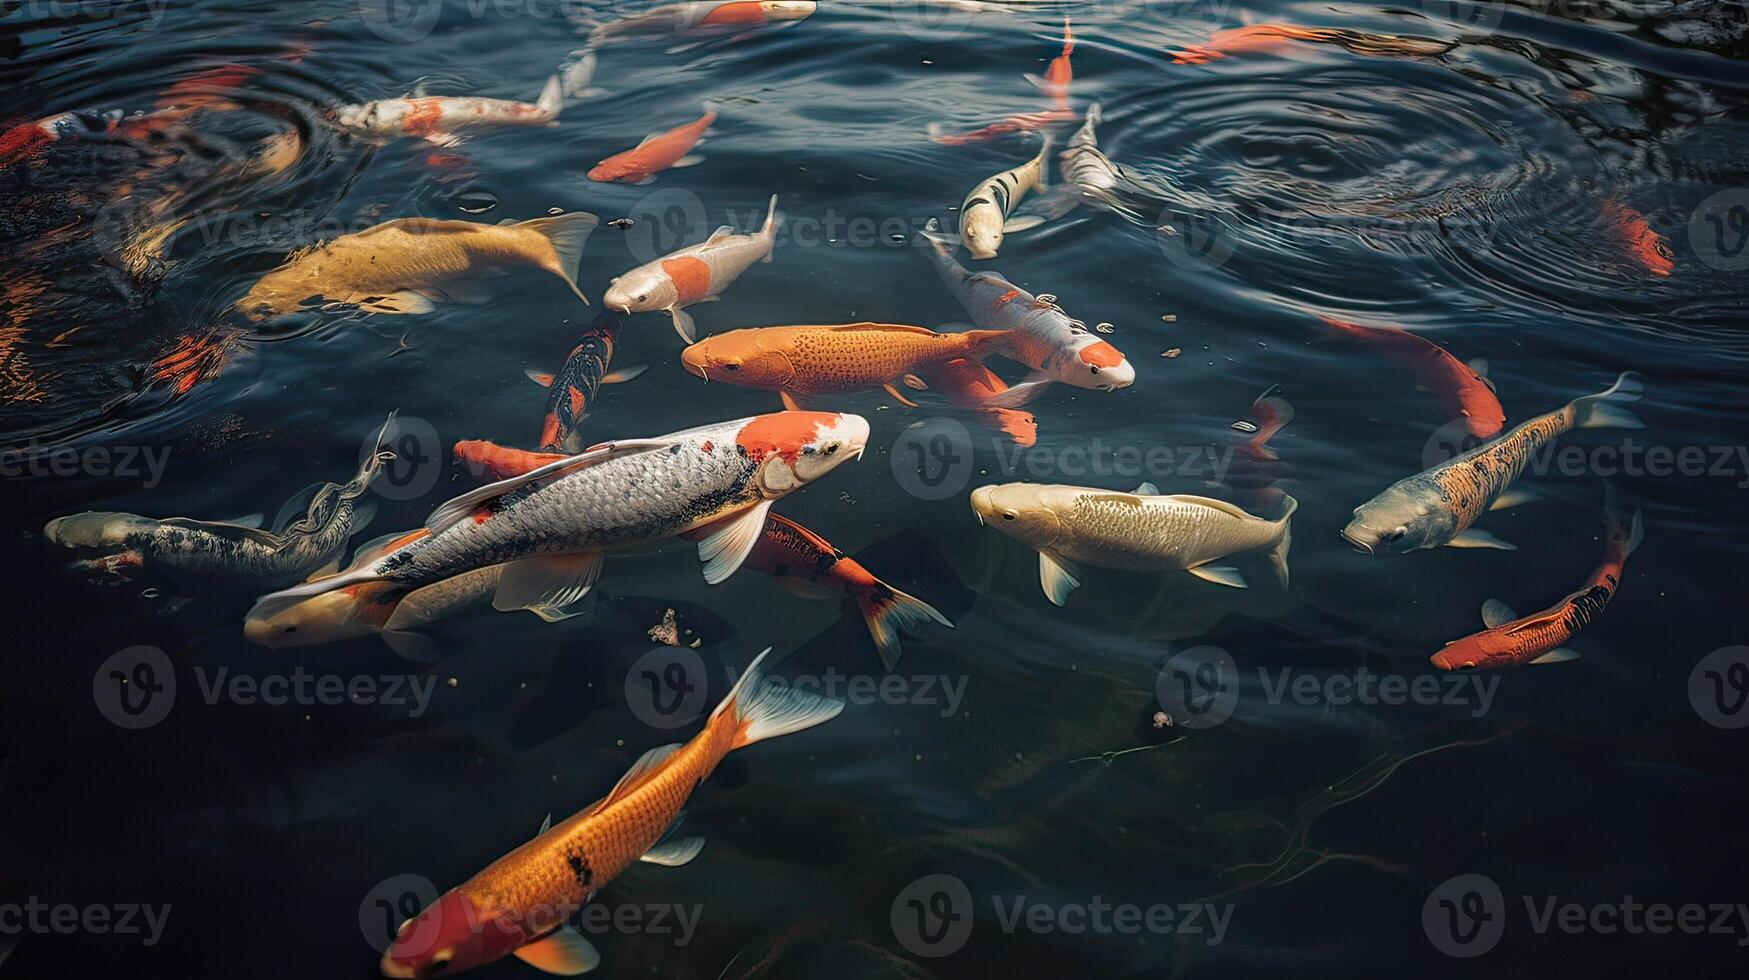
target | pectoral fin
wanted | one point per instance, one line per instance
(1022, 223)
(684, 325)
(623, 375)
(792, 403)
(549, 581)
(730, 541)
(1496, 614)
(689, 160)
(1480, 539)
(402, 303)
(1559, 655)
(674, 853)
(1058, 576)
(1035, 385)
(542, 378)
(1220, 575)
(1514, 497)
(901, 399)
(565, 953)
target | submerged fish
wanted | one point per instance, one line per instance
(658, 151)
(1647, 248)
(812, 567)
(984, 215)
(1538, 638)
(1040, 335)
(1055, 83)
(1140, 531)
(695, 274)
(410, 264)
(554, 525)
(1256, 466)
(1464, 390)
(1437, 506)
(442, 119)
(682, 18)
(311, 531)
(800, 362)
(969, 384)
(574, 388)
(518, 906)
(1060, 73)
(1253, 38)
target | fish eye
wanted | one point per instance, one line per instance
(732, 366)
(831, 448)
(643, 297)
(440, 962)
(1399, 534)
(1008, 515)
(1095, 368)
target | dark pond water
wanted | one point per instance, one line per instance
(1561, 189)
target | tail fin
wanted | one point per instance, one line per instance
(760, 711)
(1627, 538)
(579, 76)
(773, 220)
(1271, 413)
(552, 98)
(568, 233)
(1603, 410)
(1278, 554)
(889, 611)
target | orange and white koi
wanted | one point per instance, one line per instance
(1538, 638)
(1463, 390)
(443, 119)
(658, 152)
(706, 15)
(518, 906)
(695, 274)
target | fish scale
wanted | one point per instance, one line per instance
(1166, 531)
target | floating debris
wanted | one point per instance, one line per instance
(1244, 426)
(621, 223)
(1174, 352)
(1170, 318)
(1162, 720)
(476, 201)
(1104, 328)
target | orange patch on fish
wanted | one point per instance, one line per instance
(1646, 246)
(424, 117)
(691, 277)
(783, 433)
(738, 12)
(1101, 354)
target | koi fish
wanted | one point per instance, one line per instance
(1059, 73)
(695, 274)
(1437, 506)
(195, 359)
(1140, 531)
(518, 905)
(554, 524)
(487, 460)
(1464, 390)
(801, 362)
(1646, 246)
(26, 140)
(574, 388)
(710, 15)
(969, 384)
(1256, 466)
(1537, 639)
(658, 151)
(984, 215)
(1249, 39)
(442, 119)
(310, 532)
(406, 266)
(1024, 122)
(811, 567)
(1090, 176)
(1039, 334)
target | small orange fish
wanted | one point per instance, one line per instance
(195, 359)
(1511, 639)
(969, 384)
(1255, 466)
(1463, 390)
(1024, 122)
(1248, 39)
(801, 361)
(1060, 73)
(519, 904)
(658, 151)
(1646, 246)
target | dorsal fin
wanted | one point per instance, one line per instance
(636, 776)
(1221, 505)
(721, 233)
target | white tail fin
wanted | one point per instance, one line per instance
(1278, 554)
(1044, 163)
(568, 233)
(552, 98)
(773, 221)
(1603, 410)
(888, 611)
(761, 711)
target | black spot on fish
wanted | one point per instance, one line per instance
(580, 868)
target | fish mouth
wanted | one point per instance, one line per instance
(1356, 543)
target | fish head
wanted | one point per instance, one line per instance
(1023, 511)
(451, 935)
(642, 290)
(788, 9)
(1102, 366)
(362, 117)
(981, 230)
(96, 531)
(1400, 520)
(792, 449)
(726, 358)
(326, 618)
